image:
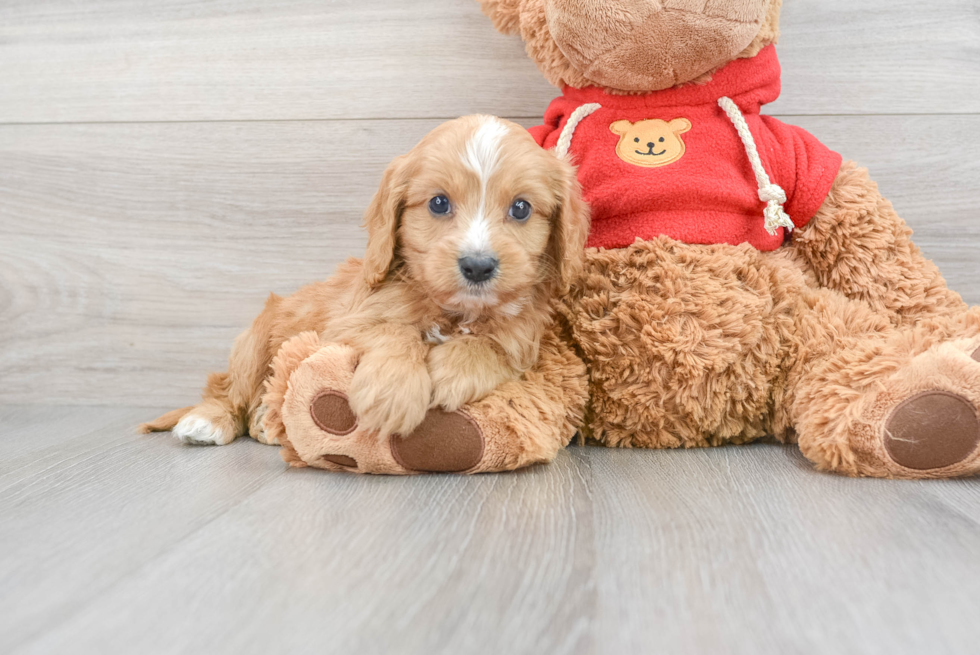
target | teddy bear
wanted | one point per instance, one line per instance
(741, 278)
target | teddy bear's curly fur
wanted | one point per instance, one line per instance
(845, 340)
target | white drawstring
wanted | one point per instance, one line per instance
(769, 193)
(565, 138)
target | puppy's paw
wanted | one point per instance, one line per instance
(199, 431)
(256, 427)
(389, 395)
(459, 378)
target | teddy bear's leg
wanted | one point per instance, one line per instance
(698, 346)
(858, 245)
(521, 423)
(898, 402)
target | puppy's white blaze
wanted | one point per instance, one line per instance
(477, 239)
(483, 148)
(481, 157)
(197, 430)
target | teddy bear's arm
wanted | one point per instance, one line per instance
(857, 244)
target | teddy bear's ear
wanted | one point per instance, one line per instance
(620, 127)
(679, 125)
(505, 14)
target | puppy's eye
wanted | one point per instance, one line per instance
(661, 139)
(520, 210)
(637, 139)
(439, 205)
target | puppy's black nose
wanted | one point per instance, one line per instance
(650, 144)
(478, 269)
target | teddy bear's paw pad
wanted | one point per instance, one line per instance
(445, 442)
(340, 460)
(932, 430)
(332, 414)
(976, 355)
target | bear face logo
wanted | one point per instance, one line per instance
(650, 143)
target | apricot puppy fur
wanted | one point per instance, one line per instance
(470, 236)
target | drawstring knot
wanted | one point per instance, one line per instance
(769, 193)
(774, 197)
(772, 193)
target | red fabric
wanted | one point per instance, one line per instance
(710, 194)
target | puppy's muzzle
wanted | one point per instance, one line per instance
(478, 268)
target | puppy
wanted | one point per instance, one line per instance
(469, 237)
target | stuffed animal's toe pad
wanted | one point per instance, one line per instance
(445, 442)
(932, 430)
(976, 355)
(332, 413)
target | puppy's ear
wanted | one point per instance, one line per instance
(381, 219)
(570, 228)
(505, 14)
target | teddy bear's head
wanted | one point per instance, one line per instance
(635, 46)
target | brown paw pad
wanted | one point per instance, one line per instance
(332, 414)
(931, 430)
(445, 442)
(976, 355)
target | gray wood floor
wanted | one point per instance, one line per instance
(164, 165)
(117, 543)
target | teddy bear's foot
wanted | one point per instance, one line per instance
(319, 428)
(522, 422)
(445, 442)
(932, 430)
(331, 413)
(921, 421)
(938, 429)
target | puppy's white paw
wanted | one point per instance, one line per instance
(201, 432)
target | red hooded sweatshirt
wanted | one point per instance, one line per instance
(671, 162)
